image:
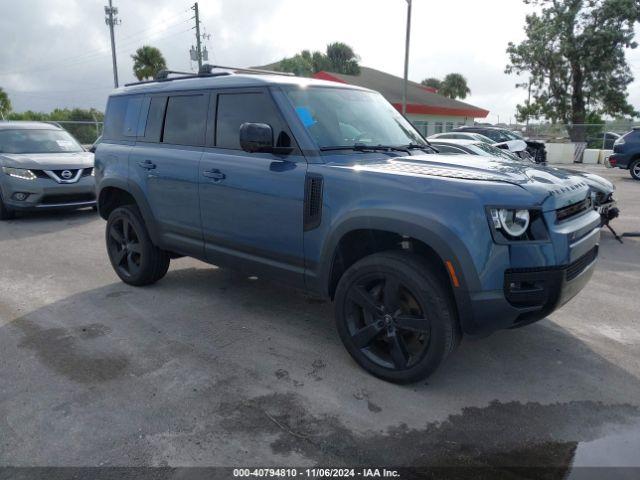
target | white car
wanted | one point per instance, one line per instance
(519, 147)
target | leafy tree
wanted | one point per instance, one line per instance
(575, 56)
(339, 58)
(432, 82)
(5, 103)
(300, 64)
(454, 85)
(147, 62)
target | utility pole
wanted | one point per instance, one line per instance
(406, 59)
(112, 20)
(198, 38)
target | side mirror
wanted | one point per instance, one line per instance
(92, 148)
(256, 137)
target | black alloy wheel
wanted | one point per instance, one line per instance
(386, 321)
(124, 247)
(134, 257)
(395, 316)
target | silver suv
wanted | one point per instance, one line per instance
(42, 167)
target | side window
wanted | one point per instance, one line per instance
(234, 109)
(185, 120)
(114, 118)
(131, 117)
(155, 118)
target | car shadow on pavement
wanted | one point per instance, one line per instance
(43, 223)
(209, 367)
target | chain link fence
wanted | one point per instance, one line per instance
(595, 136)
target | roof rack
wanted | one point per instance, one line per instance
(207, 69)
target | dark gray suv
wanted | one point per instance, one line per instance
(42, 167)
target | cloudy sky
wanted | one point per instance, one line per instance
(57, 52)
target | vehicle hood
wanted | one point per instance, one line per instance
(47, 161)
(556, 187)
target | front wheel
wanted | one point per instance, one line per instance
(634, 169)
(395, 316)
(134, 257)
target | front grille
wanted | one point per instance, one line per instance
(41, 174)
(72, 198)
(571, 211)
(579, 266)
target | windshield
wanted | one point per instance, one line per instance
(37, 141)
(338, 117)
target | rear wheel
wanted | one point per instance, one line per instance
(134, 257)
(395, 316)
(634, 169)
(5, 213)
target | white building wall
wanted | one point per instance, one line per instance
(432, 124)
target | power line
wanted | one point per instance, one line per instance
(95, 54)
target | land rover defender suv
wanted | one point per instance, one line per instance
(327, 188)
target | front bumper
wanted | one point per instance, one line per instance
(46, 194)
(534, 279)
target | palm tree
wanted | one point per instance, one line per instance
(454, 86)
(147, 62)
(342, 58)
(5, 103)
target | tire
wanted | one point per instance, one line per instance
(134, 257)
(634, 169)
(5, 213)
(391, 336)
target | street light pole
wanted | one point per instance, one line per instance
(406, 59)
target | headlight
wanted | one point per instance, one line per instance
(514, 223)
(22, 173)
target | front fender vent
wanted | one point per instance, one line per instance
(313, 201)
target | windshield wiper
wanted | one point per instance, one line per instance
(361, 147)
(358, 147)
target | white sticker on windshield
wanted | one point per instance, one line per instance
(65, 144)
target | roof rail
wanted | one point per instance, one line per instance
(164, 74)
(207, 69)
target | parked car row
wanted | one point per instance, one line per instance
(516, 147)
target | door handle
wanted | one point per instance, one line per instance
(215, 174)
(147, 164)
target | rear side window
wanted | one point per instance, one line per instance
(234, 109)
(185, 120)
(155, 118)
(121, 120)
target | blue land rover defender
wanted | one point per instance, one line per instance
(327, 188)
